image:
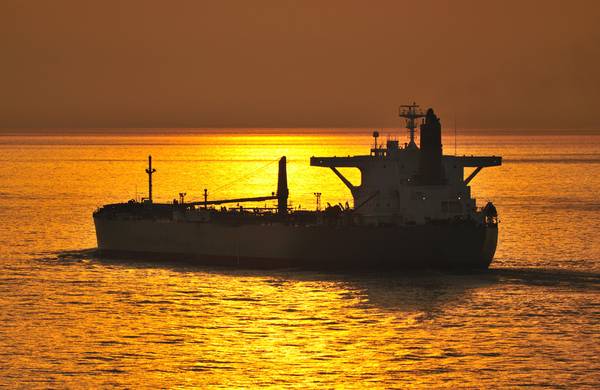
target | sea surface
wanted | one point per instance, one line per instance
(71, 319)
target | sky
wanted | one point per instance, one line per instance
(117, 64)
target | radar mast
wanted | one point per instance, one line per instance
(411, 112)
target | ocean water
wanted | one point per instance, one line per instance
(71, 319)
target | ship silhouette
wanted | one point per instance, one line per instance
(413, 209)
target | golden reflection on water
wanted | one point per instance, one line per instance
(76, 321)
(146, 325)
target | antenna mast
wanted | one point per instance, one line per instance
(455, 133)
(410, 113)
(318, 196)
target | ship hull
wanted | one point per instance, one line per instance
(275, 245)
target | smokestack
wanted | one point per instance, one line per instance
(430, 162)
(282, 188)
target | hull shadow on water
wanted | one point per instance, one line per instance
(407, 290)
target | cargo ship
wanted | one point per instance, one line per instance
(412, 209)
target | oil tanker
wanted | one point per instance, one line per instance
(412, 209)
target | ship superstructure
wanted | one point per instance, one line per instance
(411, 185)
(412, 208)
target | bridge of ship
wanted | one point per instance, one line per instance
(360, 162)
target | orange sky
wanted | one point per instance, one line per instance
(510, 64)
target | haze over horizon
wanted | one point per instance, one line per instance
(196, 64)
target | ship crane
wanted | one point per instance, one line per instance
(150, 171)
(281, 196)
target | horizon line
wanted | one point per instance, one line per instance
(258, 130)
(147, 132)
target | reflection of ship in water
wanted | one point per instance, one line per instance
(413, 208)
(408, 291)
